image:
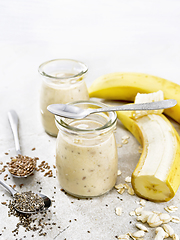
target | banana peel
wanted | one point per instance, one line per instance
(157, 174)
(125, 86)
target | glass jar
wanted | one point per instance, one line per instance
(86, 152)
(63, 82)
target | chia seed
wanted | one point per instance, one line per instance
(28, 202)
(31, 222)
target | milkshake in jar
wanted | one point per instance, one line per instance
(86, 152)
(63, 82)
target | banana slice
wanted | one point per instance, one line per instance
(144, 98)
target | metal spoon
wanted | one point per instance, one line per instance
(47, 201)
(13, 120)
(74, 112)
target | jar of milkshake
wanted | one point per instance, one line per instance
(86, 152)
(63, 82)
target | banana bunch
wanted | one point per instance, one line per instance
(157, 174)
(125, 86)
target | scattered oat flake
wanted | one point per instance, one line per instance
(142, 202)
(126, 186)
(168, 229)
(141, 227)
(132, 213)
(171, 209)
(131, 191)
(138, 234)
(118, 211)
(128, 179)
(119, 186)
(157, 212)
(131, 236)
(175, 219)
(119, 145)
(138, 211)
(125, 137)
(121, 190)
(175, 236)
(119, 172)
(124, 141)
(165, 217)
(124, 237)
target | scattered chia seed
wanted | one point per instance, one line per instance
(31, 222)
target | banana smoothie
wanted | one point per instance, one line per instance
(86, 162)
(63, 82)
(62, 93)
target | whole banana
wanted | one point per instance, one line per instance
(125, 86)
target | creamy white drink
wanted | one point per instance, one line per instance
(62, 93)
(63, 82)
(86, 163)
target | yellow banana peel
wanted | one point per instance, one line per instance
(125, 86)
(157, 174)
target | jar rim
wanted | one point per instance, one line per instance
(108, 125)
(78, 75)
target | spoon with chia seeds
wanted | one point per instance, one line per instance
(20, 166)
(28, 202)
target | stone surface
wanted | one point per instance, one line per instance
(108, 36)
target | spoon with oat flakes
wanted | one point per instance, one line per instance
(20, 166)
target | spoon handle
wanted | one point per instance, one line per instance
(141, 106)
(13, 120)
(10, 189)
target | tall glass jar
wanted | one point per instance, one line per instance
(86, 152)
(63, 82)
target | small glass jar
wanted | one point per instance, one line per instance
(86, 152)
(63, 82)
